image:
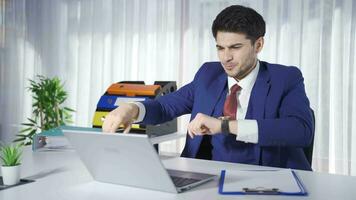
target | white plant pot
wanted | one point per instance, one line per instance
(10, 174)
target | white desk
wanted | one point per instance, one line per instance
(61, 175)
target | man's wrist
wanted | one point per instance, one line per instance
(135, 111)
(141, 112)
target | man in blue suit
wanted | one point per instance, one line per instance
(242, 110)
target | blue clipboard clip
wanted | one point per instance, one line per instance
(261, 190)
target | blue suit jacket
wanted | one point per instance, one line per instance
(278, 102)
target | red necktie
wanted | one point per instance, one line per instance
(230, 106)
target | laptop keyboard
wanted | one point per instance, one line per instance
(180, 181)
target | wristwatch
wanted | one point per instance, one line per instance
(225, 129)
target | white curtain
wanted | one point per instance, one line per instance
(91, 43)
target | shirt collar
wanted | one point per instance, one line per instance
(246, 83)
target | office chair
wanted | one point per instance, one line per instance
(308, 151)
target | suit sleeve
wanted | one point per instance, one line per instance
(172, 105)
(169, 106)
(294, 126)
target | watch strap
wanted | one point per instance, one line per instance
(225, 128)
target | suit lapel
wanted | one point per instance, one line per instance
(256, 108)
(213, 93)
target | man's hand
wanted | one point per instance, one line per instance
(204, 125)
(124, 115)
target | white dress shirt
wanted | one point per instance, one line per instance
(247, 130)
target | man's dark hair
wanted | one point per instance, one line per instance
(240, 19)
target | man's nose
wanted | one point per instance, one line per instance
(227, 55)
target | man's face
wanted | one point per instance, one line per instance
(236, 53)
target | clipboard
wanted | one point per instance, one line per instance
(255, 182)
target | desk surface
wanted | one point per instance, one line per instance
(61, 175)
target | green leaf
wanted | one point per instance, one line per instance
(21, 135)
(69, 109)
(19, 139)
(31, 120)
(25, 130)
(27, 124)
(33, 132)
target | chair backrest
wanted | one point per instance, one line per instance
(308, 151)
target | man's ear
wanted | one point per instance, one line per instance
(259, 44)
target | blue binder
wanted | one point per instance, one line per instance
(255, 175)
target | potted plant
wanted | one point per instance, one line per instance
(10, 168)
(48, 110)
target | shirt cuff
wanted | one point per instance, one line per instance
(141, 112)
(247, 131)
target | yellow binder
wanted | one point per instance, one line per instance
(99, 117)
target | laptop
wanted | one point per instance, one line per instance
(131, 160)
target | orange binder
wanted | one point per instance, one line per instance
(133, 89)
